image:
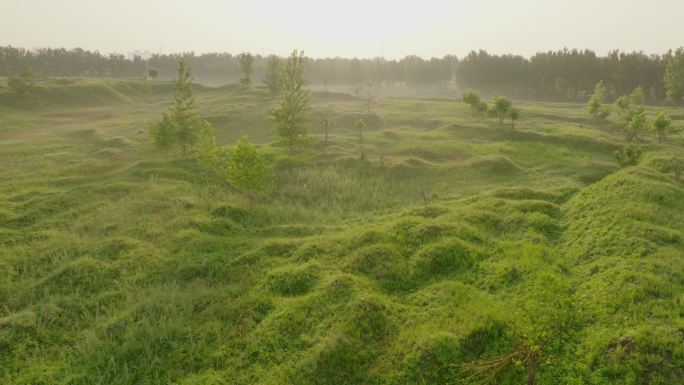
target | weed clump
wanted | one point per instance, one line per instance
(293, 281)
(443, 258)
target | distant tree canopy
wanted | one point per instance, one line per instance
(564, 75)
(152, 73)
(272, 76)
(247, 67)
(22, 84)
(559, 75)
(674, 75)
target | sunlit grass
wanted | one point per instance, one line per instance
(121, 266)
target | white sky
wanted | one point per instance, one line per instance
(344, 28)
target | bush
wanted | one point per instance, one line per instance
(248, 170)
(629, 155)
(22, 84)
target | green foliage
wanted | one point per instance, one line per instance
(628, 155)
(182, 123)
(662, 125)
(674, 75)
(247, 68)
(637, 97)
(595, 104)
(536, 253)
(163, 132)
(631, 109)
(674, 166)
(152, 73)
(293, 281)
(482, 107)
(501, 106)
(248, 169)
(207, 153)
(574, 71)
(471, 98)
(637, 125)
(542, 324)
(444, 258)
(272, 77)
(23, 83)
(291, 118)
(184, 111)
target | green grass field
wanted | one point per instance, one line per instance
(121, 266)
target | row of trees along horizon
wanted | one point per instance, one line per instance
(247, 169)
(565, 75)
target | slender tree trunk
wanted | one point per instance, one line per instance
(425, 201)
(361, 142)
(532, 371)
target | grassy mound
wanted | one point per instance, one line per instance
(454, 243)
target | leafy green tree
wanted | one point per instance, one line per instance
(637, 97)
(513, 114)
(22, 84)
(482, 107)
(662, 125)
(361, 125)
(152, 73)
(183, 117)
(247, 67)
(674, 76)
(163, 133)
(272, 77)
(631, 110)
(628, 155)
(291, 117)
(207, 153)
(501, 106)
(185, 111)
(637, 125)
(471, 98)
(623, 108)
(248, 170)
(595, 104)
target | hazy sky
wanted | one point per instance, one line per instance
(344, 28)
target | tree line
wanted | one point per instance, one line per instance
(226, 67)
(565, 75)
